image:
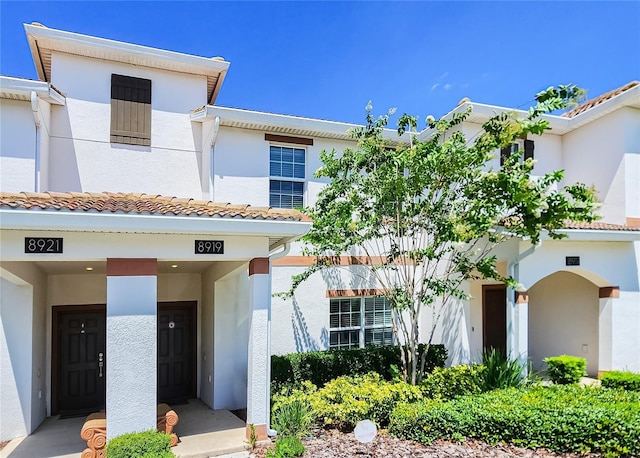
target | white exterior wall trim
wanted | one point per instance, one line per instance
(22, 88)
(97, 222)
(257, 120)
(597, 235)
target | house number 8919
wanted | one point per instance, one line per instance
(209, 247)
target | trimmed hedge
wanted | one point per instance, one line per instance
(147, 444)
(565, 369)
(566, 418)
(446, 383)
(345, 401)
(319, 367)
(617, 379)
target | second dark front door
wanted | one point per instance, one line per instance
(176, 351)
(494, 317)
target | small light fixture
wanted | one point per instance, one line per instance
(88, 269)
(174, 266)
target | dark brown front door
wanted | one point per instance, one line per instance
(81, 365)
(494, 317)
(176, 351)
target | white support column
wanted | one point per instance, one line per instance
(518, 325)
(258, 383)
(131, 359)
(606, 296)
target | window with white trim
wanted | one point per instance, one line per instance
(287, 171)
(358, 322)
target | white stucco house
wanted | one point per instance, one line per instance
(119, 274)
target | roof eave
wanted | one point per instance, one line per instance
(598, 235)
(25, 87)
(276, 122)
(73, 221)
(630, 98)
(197, 64)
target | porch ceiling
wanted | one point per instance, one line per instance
(100, 267)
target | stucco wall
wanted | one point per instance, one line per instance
(241, 166)
(23, 318)
(16, 320)
(563, 319)
(231, 336)
(17, 146)
(593, 154)
(82, 158)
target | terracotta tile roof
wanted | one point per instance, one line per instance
(141, 204)
(600, 226)
(598, 100)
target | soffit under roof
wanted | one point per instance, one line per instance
(44, 41)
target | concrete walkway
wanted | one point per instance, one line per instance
(203, 433)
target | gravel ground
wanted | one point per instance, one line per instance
(334, 444)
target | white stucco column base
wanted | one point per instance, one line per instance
(618, 330)
(132, 327)
(518, 325)
(258, 383)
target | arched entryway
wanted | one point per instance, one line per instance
(564, 314)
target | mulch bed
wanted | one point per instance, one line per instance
(331, 443)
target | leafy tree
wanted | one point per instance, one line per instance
(427, 211)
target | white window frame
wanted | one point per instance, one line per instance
(291, 179)
(362, 327)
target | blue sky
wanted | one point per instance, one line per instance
(328, 59)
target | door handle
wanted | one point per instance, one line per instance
(100, 363)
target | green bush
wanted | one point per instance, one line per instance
(345, 401)
(565, 369)
(446, 383)
(502, 372)
(293, 419)
(561, 418)
(625, 380)
(319, 367)
(147, 444)
(286, 447)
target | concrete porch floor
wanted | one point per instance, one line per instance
(203, 433)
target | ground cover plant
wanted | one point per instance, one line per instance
(566, 418)
(147, 444)
(623, 380)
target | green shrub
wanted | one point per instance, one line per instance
(502, 372)
(293, 419)
(625, 380)
(319, 367)
(450, 382)
(561, 418)
(345, 401)
(286, 447)
(147, 444)
(565, 369)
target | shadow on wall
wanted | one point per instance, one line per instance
(452, 323)
(301, 336)
(64, 173)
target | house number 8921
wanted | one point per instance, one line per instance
(43, 244)
(209, 247)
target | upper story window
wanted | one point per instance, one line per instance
(287, 169)
(360, 322)
(515, 148)
(130, 110)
